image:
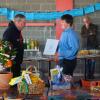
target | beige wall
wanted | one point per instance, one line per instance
(29, 5)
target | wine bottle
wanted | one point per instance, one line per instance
(28, 44)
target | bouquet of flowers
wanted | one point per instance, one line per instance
(7, 54)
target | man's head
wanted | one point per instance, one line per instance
(20, 21)
(66, 21)
(86, 20)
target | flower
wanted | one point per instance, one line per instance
(7, 53)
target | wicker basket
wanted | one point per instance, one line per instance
(36, 88)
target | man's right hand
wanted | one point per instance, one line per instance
(56, 57)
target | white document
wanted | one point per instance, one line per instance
(27, 78)
(51, 47)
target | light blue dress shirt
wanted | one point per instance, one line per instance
(68, 44)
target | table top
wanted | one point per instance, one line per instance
(72, 94)
(94, 56)
(12, 94)
(89, 56)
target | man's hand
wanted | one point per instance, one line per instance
(56, 57)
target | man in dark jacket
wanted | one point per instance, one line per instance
(89, 33)
(13, 35)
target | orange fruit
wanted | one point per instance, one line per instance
(8, 64)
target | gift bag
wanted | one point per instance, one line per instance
(59, 80)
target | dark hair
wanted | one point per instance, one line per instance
(19, 16)
(68, 18)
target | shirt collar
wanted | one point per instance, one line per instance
(67, 29)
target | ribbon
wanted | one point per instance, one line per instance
(25, 85)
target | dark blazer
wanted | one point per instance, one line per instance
(90, 35)
(12, 34)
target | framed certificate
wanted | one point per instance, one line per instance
(51, 47)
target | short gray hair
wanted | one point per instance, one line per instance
(87, 17)
(19, 17)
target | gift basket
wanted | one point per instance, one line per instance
(59, 80)
(29, 83)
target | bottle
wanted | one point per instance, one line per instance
(35, 43)
(25, 44)
(38, 45)
(31, 47)
(28, 44)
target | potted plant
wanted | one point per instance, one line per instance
(7, 54)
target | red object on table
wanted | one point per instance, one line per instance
(90, 83)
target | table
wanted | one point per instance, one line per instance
(50, 59)
(85, 57)
(72, 94)
(39, 59)
(12, 94)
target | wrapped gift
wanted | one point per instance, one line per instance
(59, 80)
(56, 74)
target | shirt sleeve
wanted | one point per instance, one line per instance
(73, 44)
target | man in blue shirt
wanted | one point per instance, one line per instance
(68, 45)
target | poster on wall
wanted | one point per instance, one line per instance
(51, 47)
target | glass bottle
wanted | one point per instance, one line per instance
(25, 44)
(35, 42)
(28, 44)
